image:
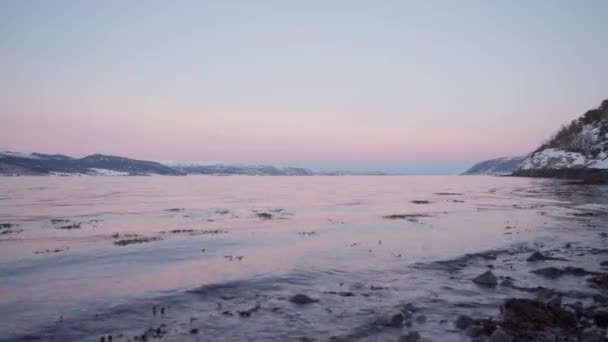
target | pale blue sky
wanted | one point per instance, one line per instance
(407, 86)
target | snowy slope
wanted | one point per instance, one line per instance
(18, 155)
(576, 150)
(496, 167)
(219, 168)
(554, 158)
(38, 164)
(581, 145)
(16, 163)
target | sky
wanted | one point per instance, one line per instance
(396, 86)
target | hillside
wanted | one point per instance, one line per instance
(216, 168)
(579, 149)
(496, 167)
(39, 164)
(33, 164)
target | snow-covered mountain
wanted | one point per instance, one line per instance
(560, 158)
(496, 167)
(579, 149)
(38, 164)
(218, 168)
(16, 163)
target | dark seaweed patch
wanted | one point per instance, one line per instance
(137, 240)
(11, 231)
(194, 231)
(264, 215)
(408, 217)
(73, 225)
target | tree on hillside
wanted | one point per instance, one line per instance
(568, 136)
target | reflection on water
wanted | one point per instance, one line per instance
(289, 234)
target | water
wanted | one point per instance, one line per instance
(226, 244)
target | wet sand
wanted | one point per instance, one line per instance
(301, 258)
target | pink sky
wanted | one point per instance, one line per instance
(309, 83)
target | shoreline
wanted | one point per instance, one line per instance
(358, 286)
(531, 297)
(584, 176)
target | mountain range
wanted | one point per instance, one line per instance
(39, 164)
(576, 150)
(15, 163)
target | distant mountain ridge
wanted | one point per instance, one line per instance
(15, 163)
(496, 167)
(217, 168)
(39, 164)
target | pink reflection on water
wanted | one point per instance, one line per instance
(345, 215)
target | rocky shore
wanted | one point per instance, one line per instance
(540, 313)
(522, 260)
(550, 292)
(586, 176)
(556, 291)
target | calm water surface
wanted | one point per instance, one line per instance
(211, 244)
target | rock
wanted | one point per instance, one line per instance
(499, 335)
(507, 283)
(474, 331)
(412, 336)
(487, 279)
(341, 293)
(463, 322)
(600, 299)
(554, 272)
(600, 281)
(421, 319)
(555, 302)
(302, 299)
(248, 312)
(536, 256)
(527, 312)
(600, 316)
(396, 320)
(409, 307)
(194, 331)
(594, 335)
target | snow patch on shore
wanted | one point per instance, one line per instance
(106, 172)
(555, 158)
